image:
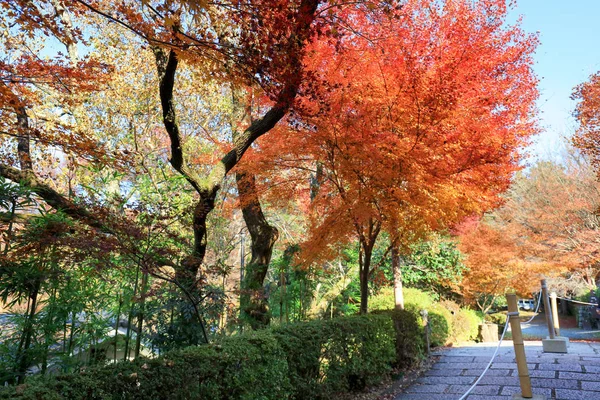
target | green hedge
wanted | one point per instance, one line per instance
(465, 325)
(311, 360)
(448, 322)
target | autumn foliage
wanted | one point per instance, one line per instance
(420, 124)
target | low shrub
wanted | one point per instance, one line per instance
(309, 360)
(440, 325)
(496, 318)
(465, 325)
(418, 298)
(227, 370)
(410, 340)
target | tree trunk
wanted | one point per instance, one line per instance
(398, 295)
(117, 327)
(130, 316)
(22, 357)
(255, 305)
(140, 322)
(365, 254)
(365, 268)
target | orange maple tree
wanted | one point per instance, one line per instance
(497, 263)
(422, 125)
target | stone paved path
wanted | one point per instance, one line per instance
(572, 376)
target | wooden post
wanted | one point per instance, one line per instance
(515, 326)
(426, 327)
(548, 310)
(555, 313)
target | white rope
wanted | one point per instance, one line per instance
(537, 308)
(492, 359)
(578, 302)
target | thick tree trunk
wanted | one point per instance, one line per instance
(254, 301)
(398, 295)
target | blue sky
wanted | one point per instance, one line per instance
(568, 54)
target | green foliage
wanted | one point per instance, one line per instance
(496, 318)
(230, 369)
(434, 265)
(326, 357)
(311, 360)
(419, 298)
(440, 323)
(384, 300)
(448, 322)
(465, 325)
(410, 338)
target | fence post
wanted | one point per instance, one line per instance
(553, 343)
(517, 337)
(555, 313)
(426, 327)
(547, 310)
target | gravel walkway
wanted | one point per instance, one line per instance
(572, 376)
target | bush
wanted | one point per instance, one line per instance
(465, 325)
(311, 360)
(410, 340)
(418, 298)
(327, 357)
(227, 370)
(415, 300)
(440, 325)
(383, 300)
(496, 318)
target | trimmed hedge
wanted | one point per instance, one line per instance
(465, 325)
(448, 322)
(311, 360)
(230, 369)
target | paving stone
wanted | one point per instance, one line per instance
(422, 396)
(485, 389)
(554, 383)
(504, 365)
(427, 388)
(449, 380)
(451, 358)
(510, 390)
(442, 372)
(487, 359)
(458, 365)
(500, 381)
(536, 373)
(561, 367)
(593, 363)
(567, 394)
(591, 368)
(591, 386)
(486, 397)
(490, 372)
(580, 376)
(510, 366)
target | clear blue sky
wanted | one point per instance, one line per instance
(568, 54)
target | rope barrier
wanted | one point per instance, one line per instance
(506, 324)
(493, 357)
(578, 302)
(537, 308)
